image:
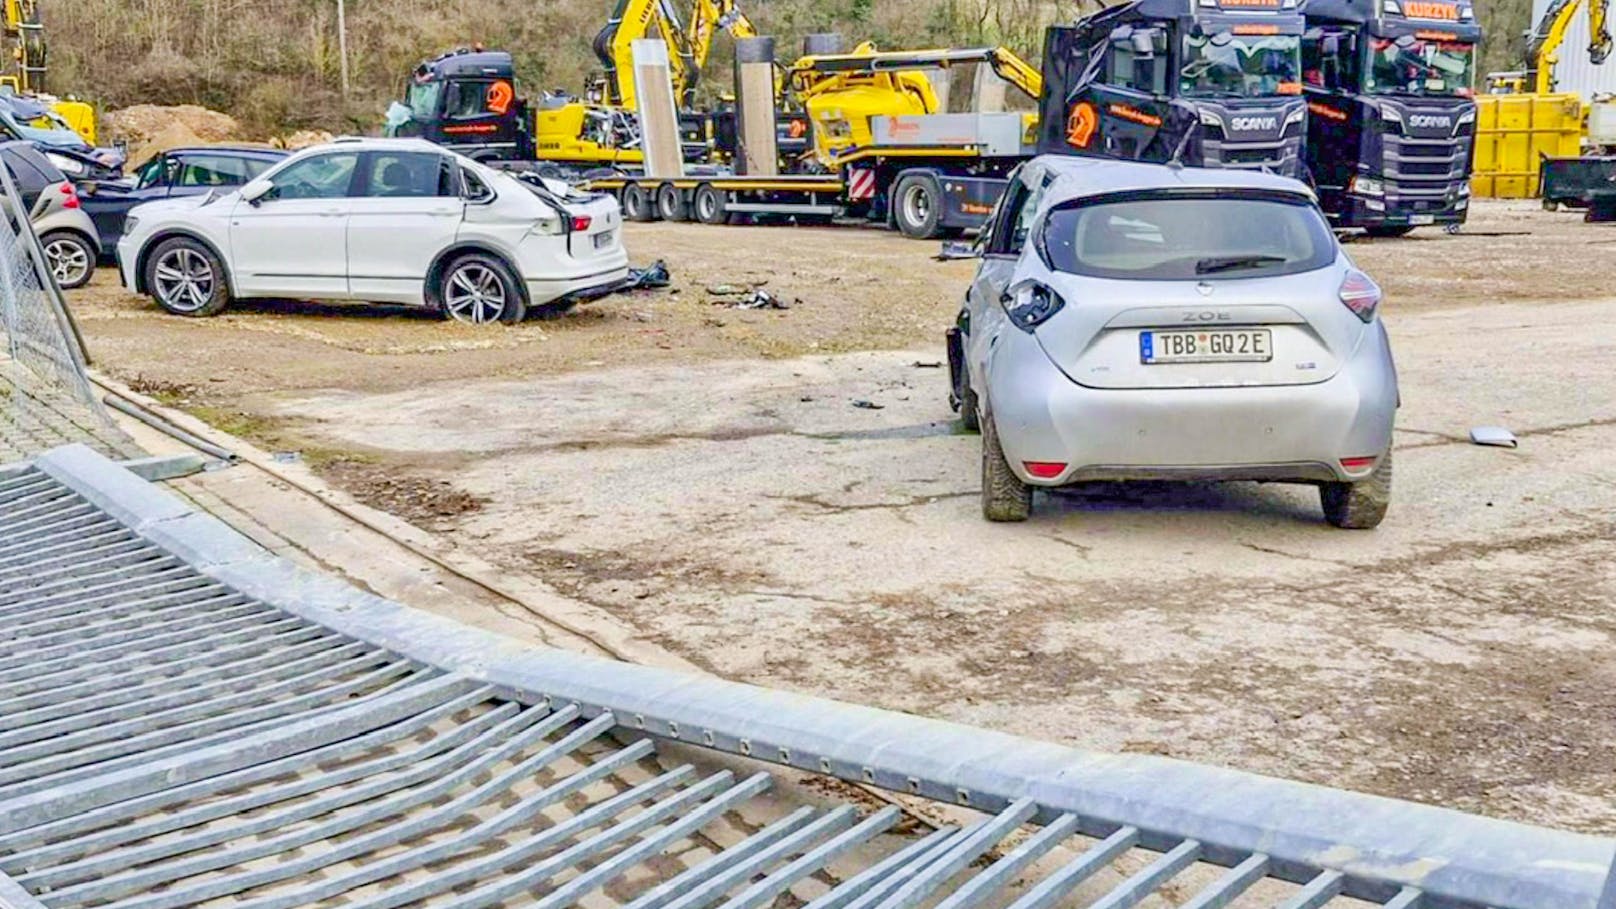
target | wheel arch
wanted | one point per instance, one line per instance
(155, 240)
(434, 272)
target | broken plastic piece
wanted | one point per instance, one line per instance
(957, 249)
(654, 276)
(1494, 435)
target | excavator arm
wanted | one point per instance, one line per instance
(634, 20)
(1543, 48)
(26, 34)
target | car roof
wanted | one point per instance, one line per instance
(228, 149)
(1077, 177)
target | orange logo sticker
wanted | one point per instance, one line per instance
(1429, 9)
(1328, 113)
(500, 95)
(1080, 126)
(1256, 29)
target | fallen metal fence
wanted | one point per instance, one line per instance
(46, 398)
(188, 720)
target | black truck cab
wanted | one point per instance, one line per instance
(1392, 114)
(466, 100)
(1212, 83)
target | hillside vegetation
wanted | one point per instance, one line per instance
(274, 63)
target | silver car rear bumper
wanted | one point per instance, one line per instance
(1295, 433)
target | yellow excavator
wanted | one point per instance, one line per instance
(1544, 42)
(688, 47)
(844, 93)
(25, 74)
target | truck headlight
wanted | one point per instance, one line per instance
(1367, 186)
(1296, 115)
(1210, 118)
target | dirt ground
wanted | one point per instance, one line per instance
(702, 473)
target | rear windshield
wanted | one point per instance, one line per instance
(1187, 237)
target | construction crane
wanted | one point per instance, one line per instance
(1543, 44)
(688, 49)
(26, 35)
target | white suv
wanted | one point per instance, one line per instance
(382, 220)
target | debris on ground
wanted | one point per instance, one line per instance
(868, 405)
(1496, 436)
(955, 249)
(927, 364)
(654, 276)
(761, 299)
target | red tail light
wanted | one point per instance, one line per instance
(1044, 470)
(1360, 294)
(581, 222)
(72, 200)
(1353, 465)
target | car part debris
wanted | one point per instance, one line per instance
(927, 364)
(957, 249)
(1496, 436)
(869, 405)
(761, 299)
(654, 276)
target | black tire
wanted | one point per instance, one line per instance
(70, 257)
(1550, 205)
(479, 289)
(1004, 497)
(671, 204)
(638, 204)
(186, 278)
(709, 205)
(917, 205)
(1389, 231)
(1361, 505)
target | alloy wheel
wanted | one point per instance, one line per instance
(184, 279)
(68, 260)
(474, 293)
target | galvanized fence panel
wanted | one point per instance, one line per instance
(187, 720)
(46, 398)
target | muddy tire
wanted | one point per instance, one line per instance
(671, 204)
(638, 204)
(1004, 496)
(186, 278)
(479, 289)
(710, 205)
(70, 257)
(1361, 505)
(918, 207)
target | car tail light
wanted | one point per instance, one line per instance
(1031, 305)
(1360, 294)
(72, 200)
(581, 222)
(1044, 470)
(1355, 465)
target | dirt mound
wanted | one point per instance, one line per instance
(150, 128)
(303, 138)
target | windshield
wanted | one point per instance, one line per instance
(422, 99)
(1420, 66)
(1181, 237)
(48, 130)
(1244, 66)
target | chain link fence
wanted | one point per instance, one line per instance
(46, 398)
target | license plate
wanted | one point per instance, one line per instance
(604, 239)
(1418, 220)
(1221, 346)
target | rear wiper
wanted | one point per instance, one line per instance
(1234, 263)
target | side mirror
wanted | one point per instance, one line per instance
(254, 192)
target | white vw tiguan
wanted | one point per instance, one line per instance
(380, 220)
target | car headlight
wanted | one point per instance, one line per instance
(130, 223)
(65, 164)
(1367, 186)
(1032, 304)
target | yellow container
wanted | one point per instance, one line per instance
(1513, 132)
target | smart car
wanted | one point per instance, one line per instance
(1133, 321)
(381, 220)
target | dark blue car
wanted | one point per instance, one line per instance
(176, 172)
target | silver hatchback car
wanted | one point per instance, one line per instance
(1134, 321)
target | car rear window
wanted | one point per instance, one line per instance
(1182, 236)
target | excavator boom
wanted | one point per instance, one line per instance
(1005, 63)
(1543, 48)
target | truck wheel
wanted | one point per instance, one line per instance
(637, 203)
(670, 203)
(1004, 496)
(1388, 231)
(1361, 505)
(710, 206)
(918, 204)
